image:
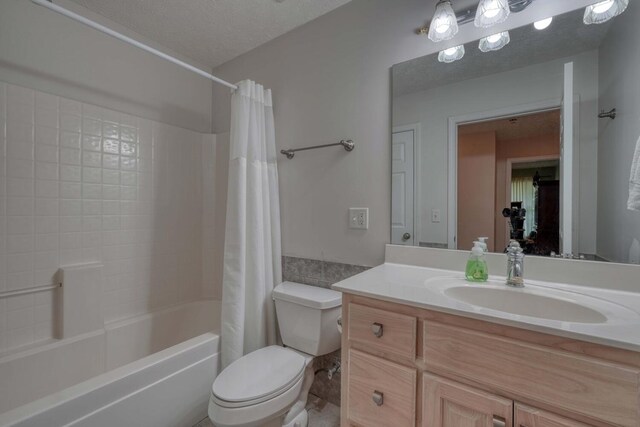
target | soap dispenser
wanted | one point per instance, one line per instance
(477, 270)
(483, 244)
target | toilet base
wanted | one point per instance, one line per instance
(301, 420)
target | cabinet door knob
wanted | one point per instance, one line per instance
(499, 421)
(377, 329)
(405, 237)
(378, 398)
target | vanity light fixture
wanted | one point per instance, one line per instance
(542, 24)
(494, 42)
(444, 24)
(604, 10)
(451, 55)
(491, 12)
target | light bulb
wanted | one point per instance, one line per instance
(491, 12)
(494, 42)
(452, 54)
(603, 11)
(542, 24)
(492, 9)
(603, 6)
(444, 24)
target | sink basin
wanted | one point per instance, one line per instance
(522, 303)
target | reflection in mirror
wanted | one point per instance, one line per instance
(508, 144)
(508, 182)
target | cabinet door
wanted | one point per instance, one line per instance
(530, 417)
(449, 404)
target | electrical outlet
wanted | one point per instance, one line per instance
(435, 215)
(359, 218)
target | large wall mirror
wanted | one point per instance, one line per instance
(522, 143)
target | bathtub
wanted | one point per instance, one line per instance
(153, 370)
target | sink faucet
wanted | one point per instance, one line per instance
(515, 265)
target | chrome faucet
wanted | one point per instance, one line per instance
(515, 265)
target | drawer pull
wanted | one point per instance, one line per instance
(377, 329)
(378, 398)
(499, 421)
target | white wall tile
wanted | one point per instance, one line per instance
(70, 122)
(80, 184)
(45, 100)
(46, 135)
(47, 117)
(69, 140)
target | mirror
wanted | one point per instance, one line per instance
(509, 144)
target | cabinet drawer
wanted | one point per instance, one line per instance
(570, 382)
(530, 417)
(383, 330)
(380, 393)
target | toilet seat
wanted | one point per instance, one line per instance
(257, 377)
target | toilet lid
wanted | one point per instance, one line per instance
(259, 375)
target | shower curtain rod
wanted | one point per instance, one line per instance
(61, 10)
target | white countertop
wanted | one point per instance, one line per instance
(424, 287)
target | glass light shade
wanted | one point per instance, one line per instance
(491, 12)
(603, 11)
(542, 24)
(451, 55)
(494, 42)
(444, 24)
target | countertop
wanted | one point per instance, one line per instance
(421, 287)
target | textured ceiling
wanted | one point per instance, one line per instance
(566, 36)
(529, 126)
(211, 31)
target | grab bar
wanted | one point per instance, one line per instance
(33, 290)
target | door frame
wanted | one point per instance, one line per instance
(452, 141)
(416, 128)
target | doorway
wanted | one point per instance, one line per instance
(404, 154)
(503, 165)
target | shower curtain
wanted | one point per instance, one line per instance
(252, 252)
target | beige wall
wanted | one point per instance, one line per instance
(46, 51)
(476, 188)
(544, 146)
(331, 80)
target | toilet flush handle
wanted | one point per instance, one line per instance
(377, 329)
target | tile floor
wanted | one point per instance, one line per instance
(321, 414)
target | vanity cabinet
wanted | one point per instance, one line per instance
(407, 366)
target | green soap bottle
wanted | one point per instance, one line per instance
(477, 270)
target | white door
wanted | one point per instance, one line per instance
(566, 162)
(402, 188)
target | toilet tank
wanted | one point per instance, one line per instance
(307, 317)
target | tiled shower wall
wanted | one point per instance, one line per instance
(79, 183)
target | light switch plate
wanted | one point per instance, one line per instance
(359, 218)
(435, 215)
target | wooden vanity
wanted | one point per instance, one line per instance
(408, 366)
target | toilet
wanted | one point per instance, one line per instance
(269, 387)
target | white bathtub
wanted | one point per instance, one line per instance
(154, 370)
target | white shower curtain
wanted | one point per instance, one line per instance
(522, 190)
(252, 253)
